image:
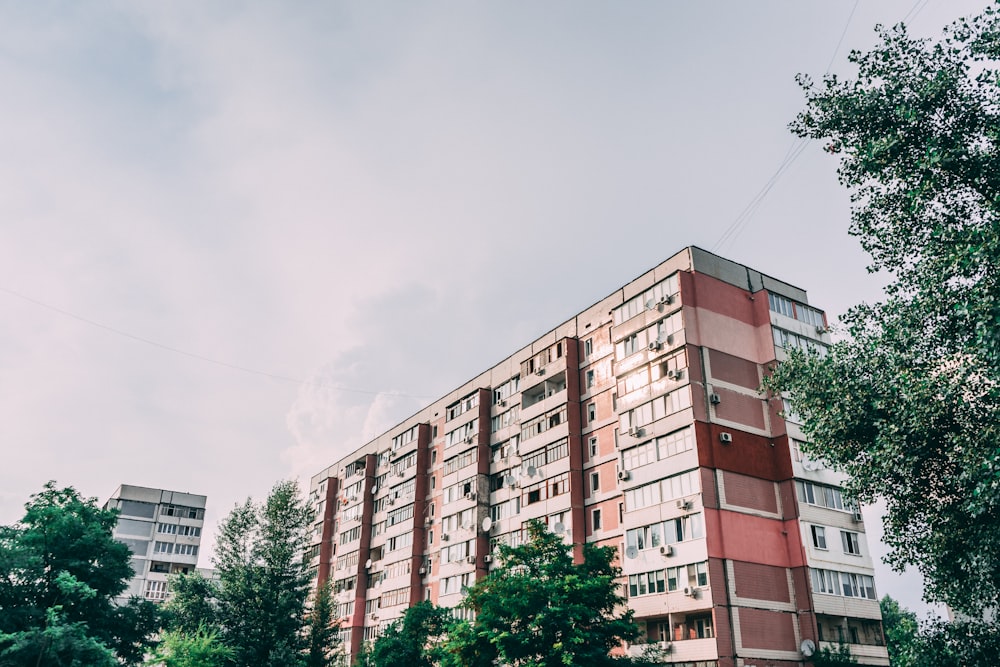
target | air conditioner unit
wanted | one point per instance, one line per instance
(471, 495)
(502, 403)
(726, 437)
(857, 516)
(428, 521)
(391, 501)
(690, 592)
(714, 398)
(374, 617)
(540, 371)
(422, 570)
(653, 346)
(674, 374)
(666, 550)
(401, 473)
(471, 560)
(624, 475)
(468, 440)
(445, 537)
(635, 432)
(820, 330)
(487, 559)
(684, 504)
(664, 646)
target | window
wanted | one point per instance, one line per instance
(819, 537)
(590, 379)
(664, 490)
(647, 583)
(156, 590)
(588, 347)
(846, 584)
(591, 413)
(593, 447)
(822, 495)
(596, 519)
(851, 543)
(687, 576)
(595, 482)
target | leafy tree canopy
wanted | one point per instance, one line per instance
(258, 607)
(200, 648)
(60, 570)
(412, 641)
(908, 404)
(540, 609)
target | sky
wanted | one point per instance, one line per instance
(239, 239)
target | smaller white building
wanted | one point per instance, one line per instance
(163, 530)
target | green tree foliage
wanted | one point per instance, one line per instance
(900, 627)
(193, 604)
(540, 609)
(908, 405)
(321, 635)
(60, 571)
(258, 606)
(200, 648)
(958, 644)
(412, 641)
(834, 657)
(937, 643)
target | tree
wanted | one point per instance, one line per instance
(907, 404)
(834, 657)
(540, 609)
(321, 635)
(60, 570)
(955, 644)
(413, 640)
(900, 627)
(258, 607)
(200, 648)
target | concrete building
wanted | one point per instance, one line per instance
(163, 531)
(635, 424)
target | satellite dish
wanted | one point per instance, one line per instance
(631, 552)
(530, 471)
(808, 647)
(509, 480)
(487, 524)
(368, 564)
(559, 528)
(374, 489)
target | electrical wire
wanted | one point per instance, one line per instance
(739, 225)
(200, 357)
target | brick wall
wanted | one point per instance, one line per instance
(761, 582)
(751, 492)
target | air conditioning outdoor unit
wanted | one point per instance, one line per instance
(674, 374)
(714, 398)
(401, 473)
(471, 560)
(487, 559)
(624, 475)
(445, 537)
(690, 592)
(428, 521)
(684, 504)
(422, 570)
(726, 437)
(653, 346)
(471, 495)
(540, 371)
(502, 403)
(857, 516)
(666, 550)
(665, 647)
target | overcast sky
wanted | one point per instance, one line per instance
(382, 197)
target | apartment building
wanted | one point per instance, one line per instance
(635, 424)
(163, 530)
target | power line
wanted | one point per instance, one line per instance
(743, 219)
(200, 357)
